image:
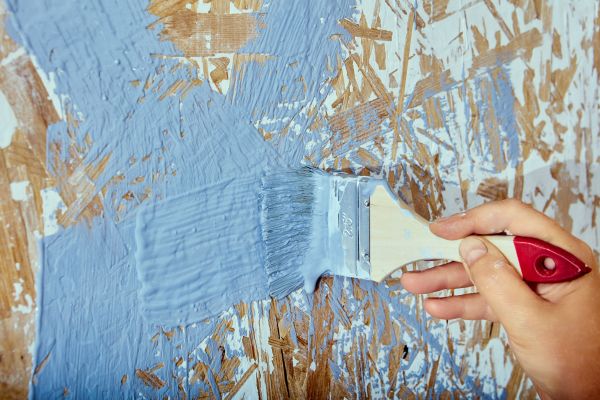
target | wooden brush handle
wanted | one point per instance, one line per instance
(398, 237)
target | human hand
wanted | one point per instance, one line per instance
(553, 329)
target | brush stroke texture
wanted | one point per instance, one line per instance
(199, 253)
(91, 333)
(349, 337)
(89, 325)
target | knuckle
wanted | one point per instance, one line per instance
(485, 271)
(586, 254)
(516, 205)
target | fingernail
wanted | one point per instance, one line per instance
(472, 249)
(444, 219)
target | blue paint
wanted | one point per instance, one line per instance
(277, 94)
(311, 223)
(258, 91)
(199, 253)
(503, 100)
(502, 106)
(90, 320)
(90, 316)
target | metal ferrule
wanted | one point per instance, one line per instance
(352, 214)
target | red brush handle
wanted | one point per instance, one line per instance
(532, 253)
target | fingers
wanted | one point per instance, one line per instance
(502, 288)
(447, 276)
(514, 217)
(497, 217)
(467, 306)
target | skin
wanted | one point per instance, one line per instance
(553, 329)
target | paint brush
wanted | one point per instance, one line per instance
(314, 223)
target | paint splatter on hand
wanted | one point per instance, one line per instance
(553, 328)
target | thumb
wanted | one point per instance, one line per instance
(513, 302)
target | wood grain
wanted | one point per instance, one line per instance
(380, 118)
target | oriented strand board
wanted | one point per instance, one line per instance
(120, 103)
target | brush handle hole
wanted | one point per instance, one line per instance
(545, 266)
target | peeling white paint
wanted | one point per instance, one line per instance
(18, 190)
(12, 56)
(52, 202)
(8, 122)
(18, 289)
(24, 308)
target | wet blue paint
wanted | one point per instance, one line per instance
(90, 319)
(88, 322)
(259, 93)
(90, 316)
(277, 94)
(200, 253)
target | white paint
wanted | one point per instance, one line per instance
(224, 84)
(234, 10)
(49, 81)
(31, 347)
(248, 389)
(12, 56)
(18, 289)
(538, 175)
(52, 202)
(202, 7)
(18, 190)
(8, 122)
(263, 332)
(517, 77)
(24, 308)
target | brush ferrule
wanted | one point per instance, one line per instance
(349, 215)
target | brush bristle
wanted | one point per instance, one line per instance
(288, 200)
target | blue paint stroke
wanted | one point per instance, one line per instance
(90, 324)
(89, 319)
(303, 40)
(503, 99)
(502, 106)
(200, 253)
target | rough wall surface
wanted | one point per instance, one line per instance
(107, 106)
